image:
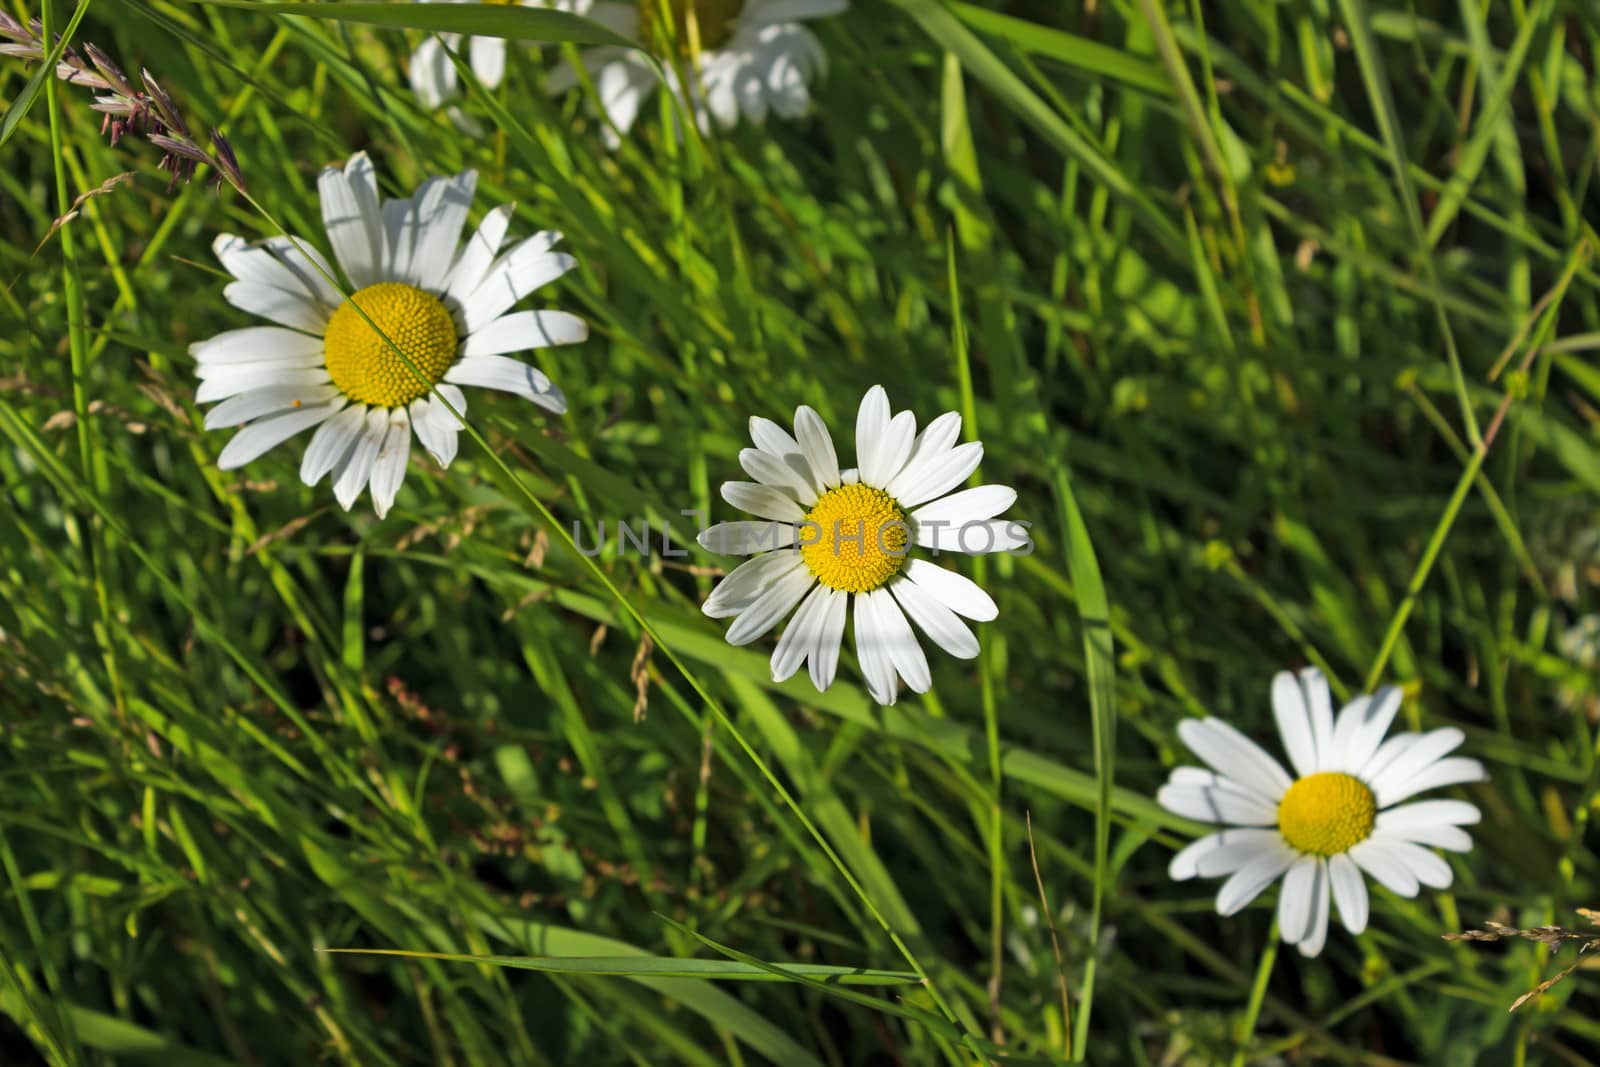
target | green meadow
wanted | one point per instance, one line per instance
(1281, 319)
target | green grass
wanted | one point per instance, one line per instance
(1280, 317)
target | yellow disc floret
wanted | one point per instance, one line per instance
(1326, 814)
(362, 364)
(714, 19)
(854, 538)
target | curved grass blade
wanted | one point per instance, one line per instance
(1095, 615)
(789, 972)
(477, 20)
(720, 1009)
(660, 967)
(1087, 55)
(947, 30)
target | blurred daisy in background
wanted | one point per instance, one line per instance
(830, 538)
(1335, 819)
(323, 365)
(754, 58)
(1580, 644)
(433, 76)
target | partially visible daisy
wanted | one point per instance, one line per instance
(324, 366)
(1320, 830)
(1580, 644)
(831, 537)
(433, 75)
(755, 58)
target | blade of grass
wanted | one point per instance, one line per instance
(477, 20)
(1094, 617)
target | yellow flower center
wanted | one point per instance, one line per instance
(1326, 814)
(713, 18)
(364, 366)
(855, 538)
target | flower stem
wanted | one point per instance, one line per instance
(1258, 993)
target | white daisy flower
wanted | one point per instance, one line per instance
(830, 535)
(1580, 644)
(1321, 829)
(324, 366)
(433, 76)
(755, 58)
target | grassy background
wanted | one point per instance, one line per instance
(1244, 285)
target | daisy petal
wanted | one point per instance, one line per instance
(259, 344)
(523, 330)
(772, 604)
(816, 444)
(934, 619)
(509, 376)
(1186, 863)
(744, 583)
(529, 266)
(1248, 881)
(1411, 752)
(762, 501)
(1231, 753)
(267, 401)
(780, 474)
(872, 427)
(355, 468)
(974, 538)
(1294, 723)
(891, 451)
(1361, 727)
(1316, 934)
(402, 223)
(1428, 868)
(622, 86)
(775, 441)
(433, 77)
(354, 222)
(829, 638)
(924, 480)
(1218, 803)
(877, 668)
(332, 442)
(969, 505)
(955, 591)
(1383, 860)
(488, 58)
(436, 427)
(800, 636)
(1429, 813)
(264, 434)
(772, 439)
(441, 213)
(257, 266)
(910, 662)
(1296, 897)
(938, 436)
(1391, 788)
(1236, 848)
(1303, 705)
(308, 265)
(1442, 835)
(222, 382)
(744, 538)
(1349, 892)
(479, 253)
(389, 469)
(297, 310)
